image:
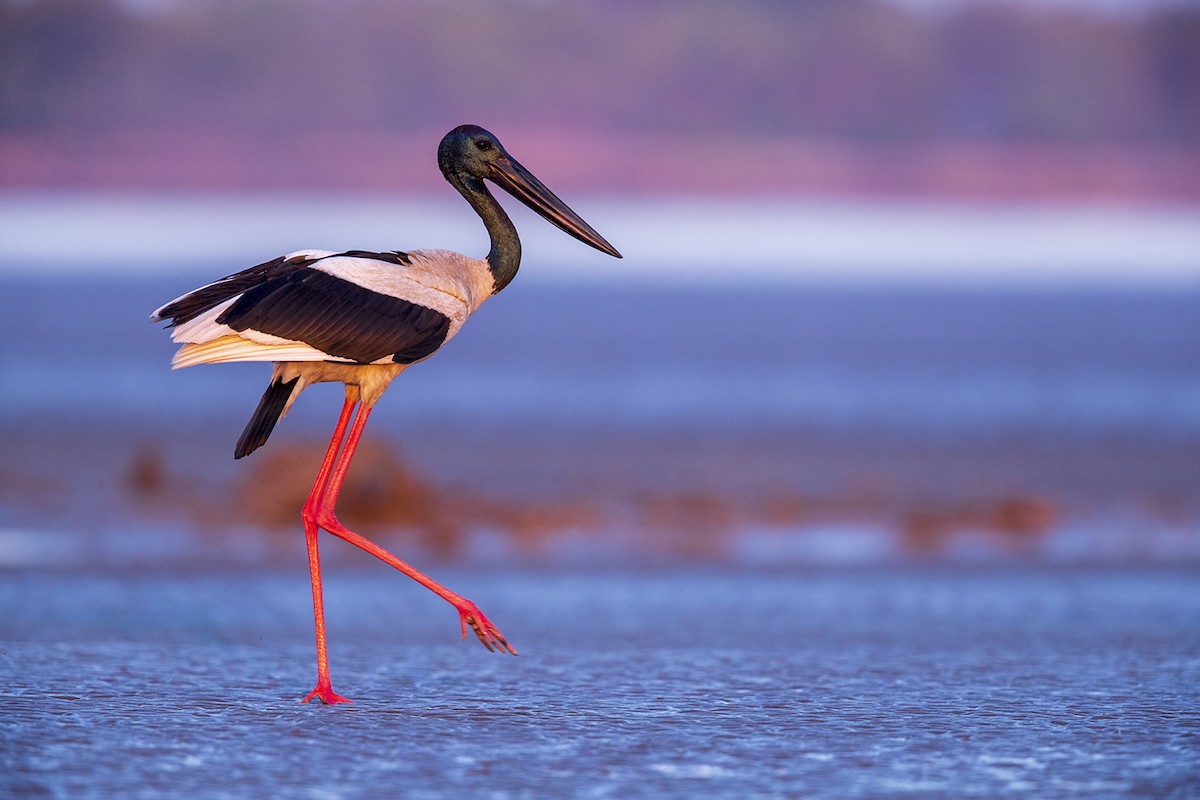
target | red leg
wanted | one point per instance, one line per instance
(324, 689)
(469, 613)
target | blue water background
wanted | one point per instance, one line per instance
(854, 361)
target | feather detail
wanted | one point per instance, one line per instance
(228, 349)
(275, 402)
(205, 327)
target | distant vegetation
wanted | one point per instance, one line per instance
(858, 72)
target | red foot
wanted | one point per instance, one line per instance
(324, 692)
(470, 615)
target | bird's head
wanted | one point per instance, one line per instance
(470, 152)
(469, 149)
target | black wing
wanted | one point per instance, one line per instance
(291, 299)
(339, 317)
(206, 298)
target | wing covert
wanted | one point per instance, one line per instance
(338, 317)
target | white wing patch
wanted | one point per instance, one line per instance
(205, 327)
(234, 348)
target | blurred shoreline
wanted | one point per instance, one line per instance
(514, 498)
(976, 100)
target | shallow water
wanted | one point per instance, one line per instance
(834, 683)
(145, 665)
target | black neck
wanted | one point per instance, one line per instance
(505, 256)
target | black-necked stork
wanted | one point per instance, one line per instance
(361, 318)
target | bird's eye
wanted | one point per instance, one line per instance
(483, 144)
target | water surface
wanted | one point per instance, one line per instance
(884, 682)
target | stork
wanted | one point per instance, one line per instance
(361, 318)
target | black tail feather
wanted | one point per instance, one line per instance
(270, 407)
